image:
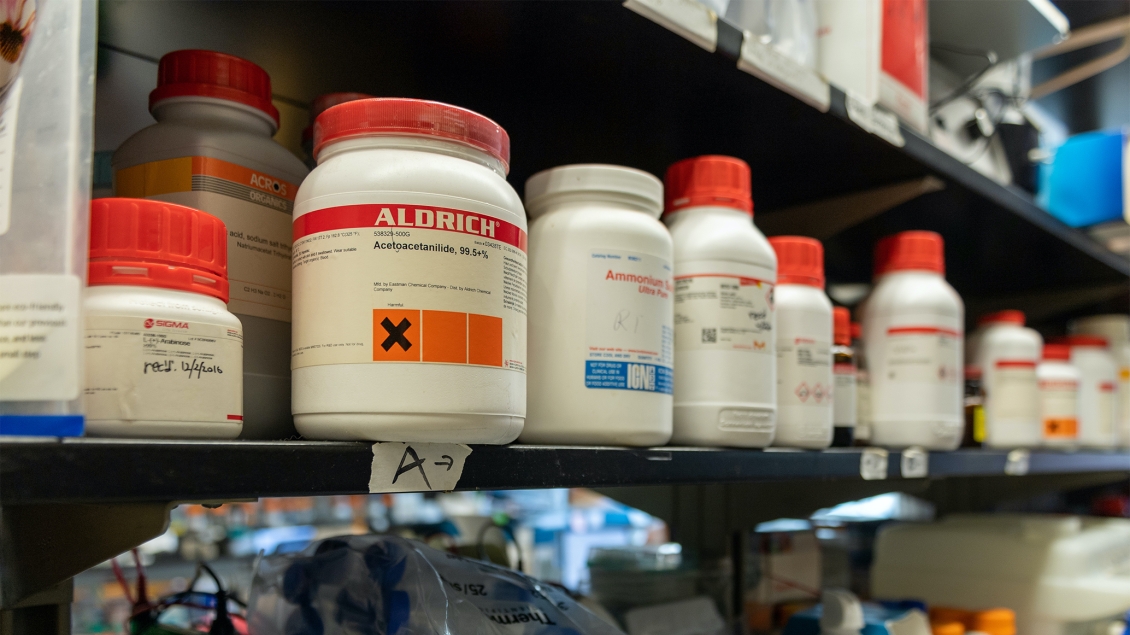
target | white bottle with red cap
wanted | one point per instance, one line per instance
(725, 270)
(913, 332)
(212, 149)
(804, 345)
(1098, 384)
(409, 278)
(601, 296)
(1116, 329)
(320, 104)
(1007, 353)
(164, 357)
(1059, 397)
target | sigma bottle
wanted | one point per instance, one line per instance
(912, 328)
(1059, 396)
(1007, 353)
(164, 357)
(601, 308)
(211, 149)
(804, 345)
(409, 278)
(725, 269)
(844, 407)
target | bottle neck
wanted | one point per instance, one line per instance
(618, 200)
(214, 111)
(417, 143)
(699, 212)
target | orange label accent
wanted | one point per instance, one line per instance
(1061, 428)
(445, 337)
(486, 340)
(396, 335)
(175, 175)
(207, 166)
(1124, 374)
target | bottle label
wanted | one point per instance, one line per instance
(1106, 407)
(256, 209)
(723, 312)
(916, 373)
(1059, 403)
(804, 373)
(844, 406)
(395, 282)
(154, 369)
(628, 328)
(1012, 391)
(40, 325)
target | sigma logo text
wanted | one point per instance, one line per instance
(170, 324)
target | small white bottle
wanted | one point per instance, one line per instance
(804, 345)
(913, 333)
(164, 357)
(725, 349)
(1059, 397)
(1116, 329)
(1007, 353)
(1098, 377)
(601, 308)
(844, 406)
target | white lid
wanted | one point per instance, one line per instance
(842, 613)
(594, 181)
(1114, 327)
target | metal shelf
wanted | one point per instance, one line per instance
(35, 471)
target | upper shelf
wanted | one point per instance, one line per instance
(89, 470)
(595, 82)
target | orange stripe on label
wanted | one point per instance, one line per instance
(445, 337)
(486, 340)
(208, 166)
(1015, 363)
(175, 175)
(1061, 428)
(436, 337)
(922, 330)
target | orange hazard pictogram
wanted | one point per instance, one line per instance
(438, 337)
(396, 335)
(802, 391)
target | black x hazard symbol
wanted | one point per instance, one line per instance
(396, 335)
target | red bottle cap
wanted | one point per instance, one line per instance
(1003, 317)
(1082, 340)
(148, 243)
(973, 371)
(396, 116)
(711, 180)
(856, 331)
(323, 103)
(198, 73)
(800, 260)
(1058, 352)
(916, 250)
(841, 326)
(881, 256)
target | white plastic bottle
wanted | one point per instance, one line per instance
(804, 345)
(1098, 377)
(164, 357)
(601, 308)
(211, 149)
(1116, 329)
(913, 334)
(725, 349)
(862, 433)
(844, 394)
(409, 278)
(1007, 353)
(1059, 396)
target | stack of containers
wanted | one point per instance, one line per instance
(212, 149)
(1007, 353)
(804, 345)
(1098, 375)
(725, 269)
(1116, 329)
(912, 329)
(601, 308)
(1059, 396)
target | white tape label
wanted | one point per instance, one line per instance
(417, 467)
(915, 463)
(873, 464)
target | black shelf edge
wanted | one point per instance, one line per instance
(36, 471)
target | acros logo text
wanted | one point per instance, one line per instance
(268, 184)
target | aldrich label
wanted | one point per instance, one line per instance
(628, 329)
(409, 283)
(256, 208)
(151, 369)
(723, 311)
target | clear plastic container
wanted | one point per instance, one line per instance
(725, 270)
(601, 308)
(212, 149)
(409, 278)
(46, 115)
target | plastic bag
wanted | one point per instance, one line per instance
(385, 585)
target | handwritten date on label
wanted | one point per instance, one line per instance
(417, 467)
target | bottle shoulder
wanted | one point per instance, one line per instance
(732, 237)
(606, 226)
(915, 291)
(801, 297)
(149, 302)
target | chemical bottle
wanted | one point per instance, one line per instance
(409, 278)
(912, 329)
(1116, 329)
(320, 104)
(1007, 353)
(725, 270)
(601, 308)
(1098, 375)
(164, 356)
(974, 405)
(1059, 396)
(842, 613)
(804, 343)
(862, 436)
(211, 149)
(844, 408)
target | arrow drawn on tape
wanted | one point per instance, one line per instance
(450, 461)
